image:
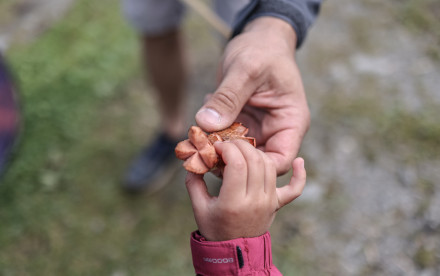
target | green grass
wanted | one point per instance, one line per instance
(61, 210)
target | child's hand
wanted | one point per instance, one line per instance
(248, 198)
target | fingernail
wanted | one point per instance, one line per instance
(209, 116)
(302, 163)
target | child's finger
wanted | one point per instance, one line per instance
(255, 167)
(234, 173)
(197, 190)
(289, 192)
(270, 175)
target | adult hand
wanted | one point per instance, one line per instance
(260, 85)
(248, 198)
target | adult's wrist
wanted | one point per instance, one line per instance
(300, 14)
(273, 27)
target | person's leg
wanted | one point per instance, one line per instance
(158, 23)
(166, 63)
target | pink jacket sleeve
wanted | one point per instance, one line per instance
(243, 256)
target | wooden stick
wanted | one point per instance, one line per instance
(213, 19)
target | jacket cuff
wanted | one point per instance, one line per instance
(299, 14)
(242, 256)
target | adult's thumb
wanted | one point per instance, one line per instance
(223, 107)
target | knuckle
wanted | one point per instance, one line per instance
(251, 66)
(239, 165)
(228, 210)
(270, 163)
(256, 160)
(227, 98)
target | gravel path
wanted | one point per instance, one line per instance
(374, 208)
(23, 20)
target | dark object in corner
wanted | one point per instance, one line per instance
(9, 115)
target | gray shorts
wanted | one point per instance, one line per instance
(152, 17)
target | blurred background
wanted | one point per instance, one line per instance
(372, 201)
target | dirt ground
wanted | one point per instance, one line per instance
(372, 201)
